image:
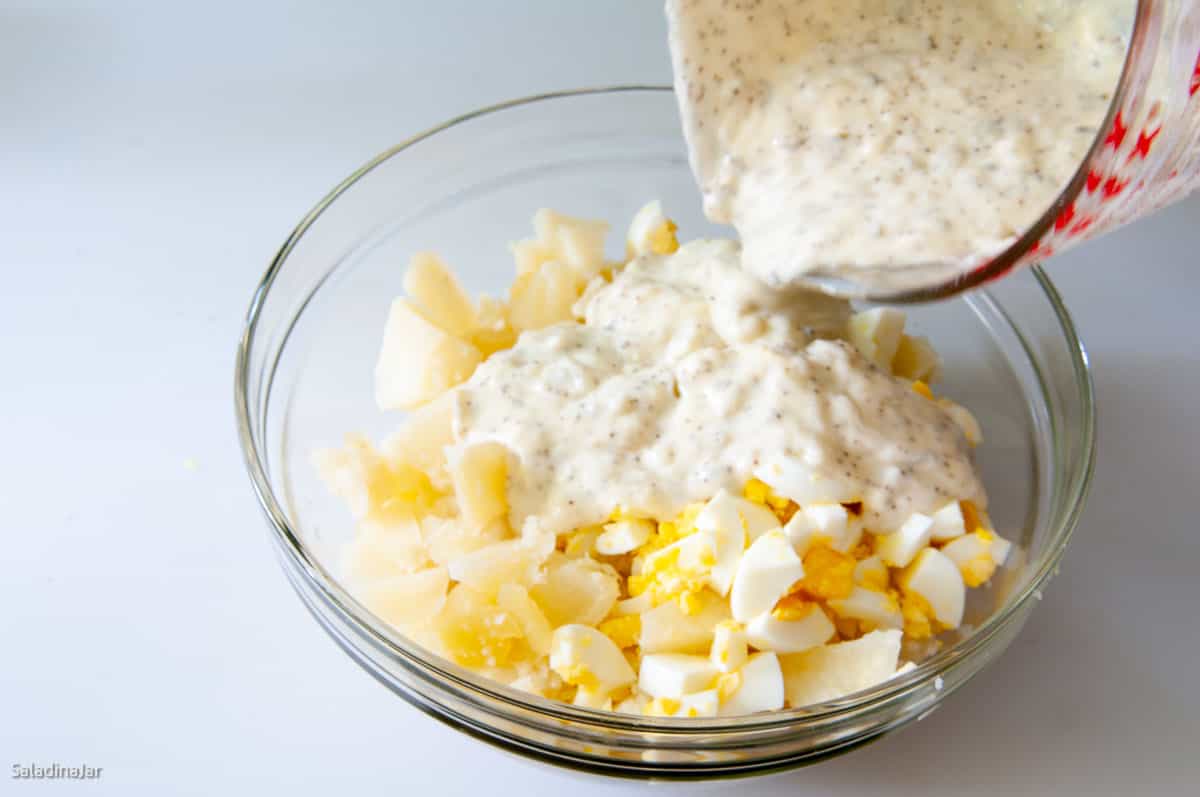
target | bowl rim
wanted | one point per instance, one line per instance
(473, 687)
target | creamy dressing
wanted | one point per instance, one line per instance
(687, 375)
(900, 136)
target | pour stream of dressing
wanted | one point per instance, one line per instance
(687, 376)
(839, 136)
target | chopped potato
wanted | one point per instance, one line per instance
(876, 333)
(916, 360)
(421, 440)
(418, 360)
(492, 332)
(580, 591)
(544, 297)
(438, 294)
(408, 599)
(480, 474)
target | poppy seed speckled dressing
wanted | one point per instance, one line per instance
(844, 135)
(689, 375)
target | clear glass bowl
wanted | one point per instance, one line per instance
(468, 187)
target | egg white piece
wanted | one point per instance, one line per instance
(590, 698)
(936, 578)
(765, 632)
(730, 647)
(766, 572)
(634, 704)
(832, 522)
(721, 529)
(623, 536)
(760, 687)
(967, 549)
(875, 609)
(699, 704)
(582, 655)
(899, 548)
(797, 482)
(675, 674)
(948, 523)
(644, 227)
(756, 519)
(977, 555)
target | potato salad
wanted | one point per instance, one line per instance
(654, 485)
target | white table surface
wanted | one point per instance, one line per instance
(154, 155)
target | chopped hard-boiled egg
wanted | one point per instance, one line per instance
(874, 609)
(757, 687)
(898, 548)
(651, 232)
(697, 704)
(936, 579)
(796, 482)
(624, 631)
(948, 523)
(624, 536)
(830, 523)
(871, 573)
(634, 704)
(592, 698)
(730, 648)
(977, 555)
(813, 628)
(675, 674)
(828, 573)
(723, 527)
(583, 656)
(765, 574)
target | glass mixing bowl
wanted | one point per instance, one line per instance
(465, 189)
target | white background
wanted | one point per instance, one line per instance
(154, 155)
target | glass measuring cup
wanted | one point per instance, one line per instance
(1146, 155)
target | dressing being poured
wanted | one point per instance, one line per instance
(888, 142)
